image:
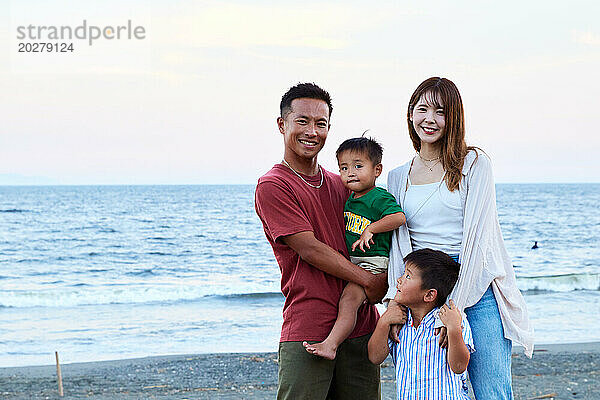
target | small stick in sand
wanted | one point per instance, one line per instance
(546, 396)
(59, 376)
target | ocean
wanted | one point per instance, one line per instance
(111, 272)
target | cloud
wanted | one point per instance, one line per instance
(320, 26)
(588, 37)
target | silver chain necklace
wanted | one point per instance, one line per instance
(437, 160)
(304, 180)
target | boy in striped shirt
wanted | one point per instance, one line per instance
(424, 370)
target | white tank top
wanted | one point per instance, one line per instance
(434, 217)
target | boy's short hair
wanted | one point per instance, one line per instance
(302, 91)
(438, 271)
(365, 145)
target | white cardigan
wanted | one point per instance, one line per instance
(484, 259)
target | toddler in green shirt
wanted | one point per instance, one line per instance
(370, 214)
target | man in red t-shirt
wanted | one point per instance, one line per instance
(301, 208)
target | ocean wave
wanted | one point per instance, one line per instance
(80, 294)
(25, 260)
(264, 295)
(43, 273)
(559, 283)
(121, 294)
(146, 220)
(142, 272)
(66, 258)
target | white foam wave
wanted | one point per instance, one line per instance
(122, 294)
(560, 283)
(172, 292)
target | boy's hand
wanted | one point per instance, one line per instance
(397, 322)
(366, 239)
(450, 316)
(395, 314)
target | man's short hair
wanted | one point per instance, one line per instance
(364, 145)
(438, 271)
(301, 91)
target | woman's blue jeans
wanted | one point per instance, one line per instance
(489, 366)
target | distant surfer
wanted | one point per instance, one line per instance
(535, 246)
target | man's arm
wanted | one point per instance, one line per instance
(330, 261)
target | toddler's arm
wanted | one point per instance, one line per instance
(458, 352)
(385, 224)
(378, 343)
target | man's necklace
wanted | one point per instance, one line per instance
(304, 180)
(424, 160)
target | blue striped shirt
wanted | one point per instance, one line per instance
(422, 371)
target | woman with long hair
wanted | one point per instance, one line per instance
(447, 193)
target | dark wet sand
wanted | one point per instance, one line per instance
(570, 371)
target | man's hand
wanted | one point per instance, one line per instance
(376, 288)
(366, 239)
(330, 261)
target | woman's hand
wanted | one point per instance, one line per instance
(394, 333)
(442, 332)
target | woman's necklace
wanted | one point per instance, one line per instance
(425, 161)
(304, 180)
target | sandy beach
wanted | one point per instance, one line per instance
(569, 371)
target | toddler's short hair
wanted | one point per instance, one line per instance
(366, 145)
(438, 271)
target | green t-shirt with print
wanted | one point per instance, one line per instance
(360, 212)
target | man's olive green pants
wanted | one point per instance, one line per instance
(303, 376)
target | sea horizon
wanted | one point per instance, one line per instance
(125, 271)
(250, 184)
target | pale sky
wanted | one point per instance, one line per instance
(196, 101)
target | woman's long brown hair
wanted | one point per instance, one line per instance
(443, 93)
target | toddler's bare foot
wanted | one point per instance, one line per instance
(323, 349)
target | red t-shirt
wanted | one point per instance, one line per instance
(286, 205)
